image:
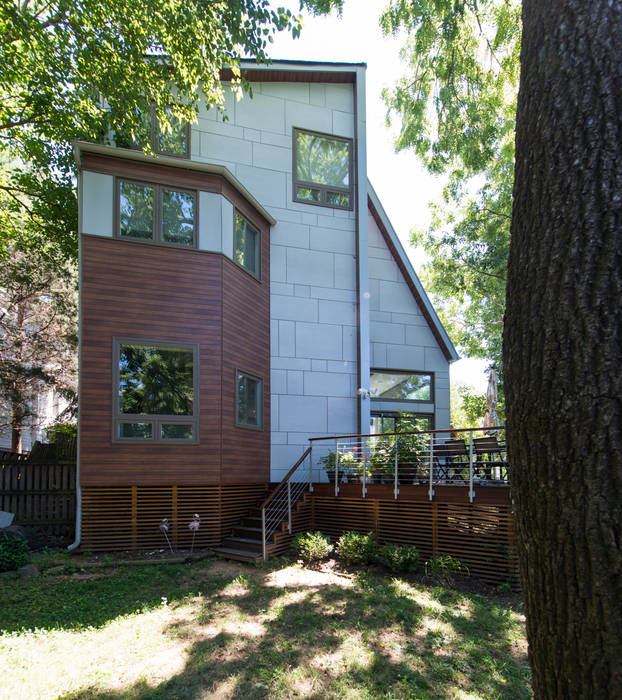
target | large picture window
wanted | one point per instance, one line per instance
(322, 170)
(246, 245)
(248, 400)
(393, 385)
(156, 213)
(155, 391)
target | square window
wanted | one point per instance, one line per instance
(156, 385)
(323, 167)
(248, 401)
(156, 213)
(246, 245)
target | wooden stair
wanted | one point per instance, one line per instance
(244, 542)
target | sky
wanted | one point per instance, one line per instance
(403, 185)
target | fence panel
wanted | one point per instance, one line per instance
(41, 494)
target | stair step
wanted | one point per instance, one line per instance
(253, 533)
(238, 554)
(251, 521)
(242, 543)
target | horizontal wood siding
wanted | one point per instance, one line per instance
(140, 291)
(129, 517)
(246, 346)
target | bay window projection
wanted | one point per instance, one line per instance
(156, 390)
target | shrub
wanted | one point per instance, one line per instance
(13, 553)
(312, 546)
(443, 567)
(354, 548)
(399, 557)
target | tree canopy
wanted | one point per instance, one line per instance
(456, 109)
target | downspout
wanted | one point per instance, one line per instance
(76, 543)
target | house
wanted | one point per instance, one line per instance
(241, 291)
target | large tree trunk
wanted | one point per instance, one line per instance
(562, 345)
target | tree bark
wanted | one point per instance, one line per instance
(562, 346)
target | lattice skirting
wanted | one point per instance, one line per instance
(480, 536)
(117, 518)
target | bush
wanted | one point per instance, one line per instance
(355, 548)
(13, 553)
(399, 557)
(442, 568)
(312, 546)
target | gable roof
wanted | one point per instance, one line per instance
(410, 276)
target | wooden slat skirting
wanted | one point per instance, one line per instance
(128, 517)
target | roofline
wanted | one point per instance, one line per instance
(412, 279)
(80, 147)
(288, 61)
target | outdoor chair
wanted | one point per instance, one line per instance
(451, 458)
(490, 458)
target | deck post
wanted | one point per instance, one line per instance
(336, 468)
(289, 505)
(471, 492)
(364, 479)
(396, 488)
(311, 467)
(263, 533)
(431, 486)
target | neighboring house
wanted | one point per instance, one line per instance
(241, 292)
(48, 408)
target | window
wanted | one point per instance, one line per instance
(156, 213)
(393, 385)
(155, 392)
(399, 422)
(170, 141)
(246, 245)
(322, 170)
(248, 401)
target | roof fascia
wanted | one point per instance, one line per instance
(80, 147)
(418, 292)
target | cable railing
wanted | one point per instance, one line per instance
(463, 457)
(277, 507)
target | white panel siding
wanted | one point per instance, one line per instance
(97, 195)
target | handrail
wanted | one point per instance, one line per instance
(285, 479)
(410, 432)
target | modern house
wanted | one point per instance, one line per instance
(242, 291)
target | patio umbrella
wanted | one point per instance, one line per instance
(491, 419)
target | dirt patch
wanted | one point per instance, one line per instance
(296, 577)
(227, 568)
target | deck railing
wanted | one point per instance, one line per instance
(464, 457)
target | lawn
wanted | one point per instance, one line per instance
(216, 629)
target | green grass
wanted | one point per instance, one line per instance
(220, 630)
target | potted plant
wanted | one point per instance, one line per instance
(329, 462)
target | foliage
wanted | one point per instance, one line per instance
(13, 553)
(456, 106)
(467, 407)
(346, 460)
(312, 546)
(411, 445)
(356, 548)
(399, 557)
(67, 428)
(443, 567)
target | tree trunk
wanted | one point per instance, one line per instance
(562, 345)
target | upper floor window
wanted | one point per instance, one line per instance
(393, 385)
(323, 169)
(156, 213)
(246, 245)
(170, 141)
(156, 387)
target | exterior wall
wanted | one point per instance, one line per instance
(400, 334)
(313, 257)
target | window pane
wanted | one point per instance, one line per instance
(135, 210)
(176, 431)
(246, 245)
(174, 139)
(339, 199)
(248, 395)
(155, 380)
(308, 193)
(405, 387)
(177, 217)
(323, 160)
(136, 430)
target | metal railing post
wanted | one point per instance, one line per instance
(336, 468)
(289, 506)
(431, 486)
(364, 474)
(471, 492)
(263, 533)
(396, 488)
(311, 467)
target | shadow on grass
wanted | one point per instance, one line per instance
(371, 640)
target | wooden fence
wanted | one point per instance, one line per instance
(41, 494)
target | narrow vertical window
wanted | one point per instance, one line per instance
(246, 245)
(135, 210)
(248, 401)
